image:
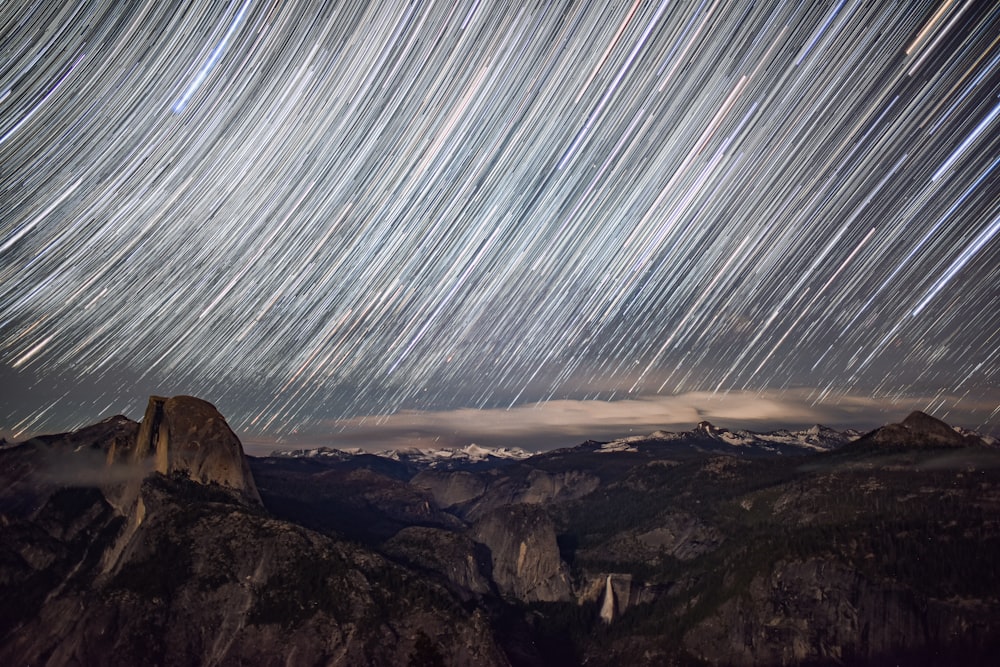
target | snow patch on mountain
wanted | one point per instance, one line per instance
(814, 439)
(623, 445)
(432, 457)
(817, 438)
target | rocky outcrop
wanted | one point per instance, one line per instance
(681, 536)
(450, 488)
(524, 554)
(472, 495)
(187, 435)
(546, 487)
(678, 535)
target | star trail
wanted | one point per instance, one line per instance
(314, 211)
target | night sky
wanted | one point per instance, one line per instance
(325, 217)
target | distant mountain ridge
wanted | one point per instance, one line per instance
(920, 430)
(817, 438)
(705, 436)
(160, 543)
(443, 457)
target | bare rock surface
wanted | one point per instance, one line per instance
(450, 488)
(186, 434)
(525, 556)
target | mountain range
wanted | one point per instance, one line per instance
(705, 437)
(161, 543)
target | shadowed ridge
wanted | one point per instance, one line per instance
(933, 428)
(918, 431)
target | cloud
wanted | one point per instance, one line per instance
(84, 467)
(562, 423)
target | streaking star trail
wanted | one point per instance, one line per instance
(307, 212)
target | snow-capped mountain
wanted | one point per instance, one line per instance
(705, 436)
(443, 457)
(815, 439)
(989, 440)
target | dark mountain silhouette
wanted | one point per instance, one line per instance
(917, 431)
(161, 543)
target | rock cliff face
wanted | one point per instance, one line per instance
(525, 556)
(545, 487)
(188, 435)
(450, 488)
(31, 471)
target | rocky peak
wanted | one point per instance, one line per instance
(188, 435)
(923, 422)
(918, 430)
(707, 428)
